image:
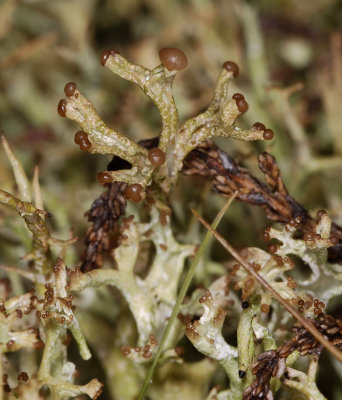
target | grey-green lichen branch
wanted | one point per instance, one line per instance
(325, 279)
(157, 85)
(176, 140)
(150, 299)
(205, 334)
(54, 311)
(304, 383)
(57, 373)
(34, 218)
(14, 335)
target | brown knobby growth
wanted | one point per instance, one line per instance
(104, 215)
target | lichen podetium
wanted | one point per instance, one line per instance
(138, 306)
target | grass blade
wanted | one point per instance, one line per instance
(181, 296)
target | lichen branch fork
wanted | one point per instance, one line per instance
(176, 141)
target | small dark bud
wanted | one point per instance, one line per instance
(245, 304)
(241, 373)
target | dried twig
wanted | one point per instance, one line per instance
(104, 215)
(227, 177)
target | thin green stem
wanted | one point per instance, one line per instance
(180, 298)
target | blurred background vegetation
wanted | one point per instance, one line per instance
(290, 58)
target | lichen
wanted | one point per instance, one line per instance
(135, 252)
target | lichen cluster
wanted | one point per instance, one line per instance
(133, 248)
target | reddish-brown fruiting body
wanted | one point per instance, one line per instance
(80, 136)
(23, 376)
(133, 192)
(266, 236)
(69, 89)
(7, 388)
(238, 96)
(259, 126)
(242, 105)
(85, 144)
(104, 177)
(114, 52)
(173, 59)
(308, 236)
(245, 304)
(179, 350)
(104, 56)
(231, 66)
(268, 134)
(156, 156)
(320, 213)
(62, 108)
(125, 351)
(272, 248)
